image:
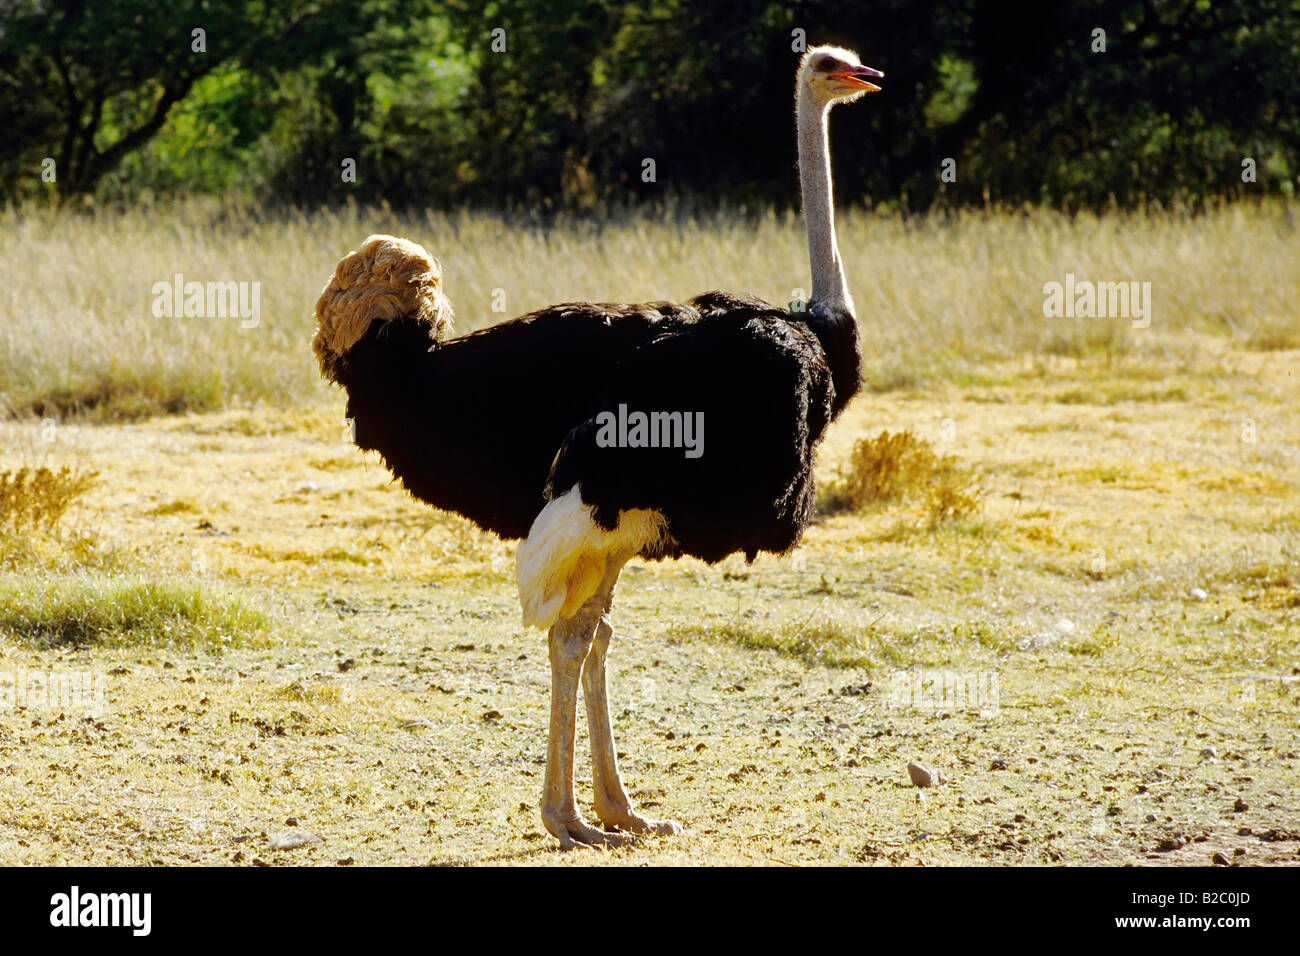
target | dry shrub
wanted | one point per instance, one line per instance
(952, 493)
(898, 467)
(36, 500)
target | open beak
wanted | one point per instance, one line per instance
(855, 77)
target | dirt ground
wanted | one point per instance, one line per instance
(1117, 627)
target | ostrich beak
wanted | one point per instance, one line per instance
(854, 78)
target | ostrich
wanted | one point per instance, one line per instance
(511, 427)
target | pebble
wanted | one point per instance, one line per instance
(290, 841)
(1218, 859)
(923, 776)
(1199, 594)
(1241, 806)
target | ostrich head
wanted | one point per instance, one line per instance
(833, 75)
(387, 278)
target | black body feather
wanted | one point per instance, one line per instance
(493, 423)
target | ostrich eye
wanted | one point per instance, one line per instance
(825, 64)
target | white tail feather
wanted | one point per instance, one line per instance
(564, 558)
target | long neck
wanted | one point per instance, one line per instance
(828, 286)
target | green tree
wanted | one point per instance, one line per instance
(554, 103)
(88, 82)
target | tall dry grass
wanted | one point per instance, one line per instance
(934, 294)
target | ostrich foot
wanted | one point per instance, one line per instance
(636, 823)
(629, 821)
(575, 833)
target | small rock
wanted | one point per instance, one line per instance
(999, 763)
(1199, 594)
(1065, 626)
(1218, 859)
(1210, 752)
(1151, 818)
(1241, 806)
(291, 841)
(923, 776)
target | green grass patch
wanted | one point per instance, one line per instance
(1118, 391)
(173, 507)
(82, 611)
(860, 642)
(828, 642)
(831, 644)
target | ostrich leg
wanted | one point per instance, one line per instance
(570, 643)
(612, 804)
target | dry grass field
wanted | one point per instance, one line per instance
(289, 645)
